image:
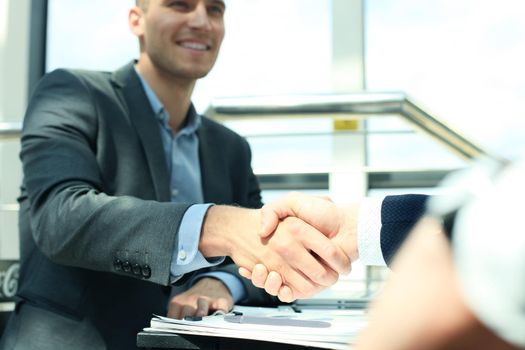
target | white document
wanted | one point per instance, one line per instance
(329, 329)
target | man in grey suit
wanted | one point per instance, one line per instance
(117, 170)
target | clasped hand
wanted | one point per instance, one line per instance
(323, 233)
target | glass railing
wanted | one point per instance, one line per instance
(357, 104)
(10, 131)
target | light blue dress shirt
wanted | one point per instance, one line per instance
(182, 154)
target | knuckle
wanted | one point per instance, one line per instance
(294, 226)
(325, 277)
(331, 252)
(282, 247)
(320, 275)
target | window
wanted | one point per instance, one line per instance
(461, 58)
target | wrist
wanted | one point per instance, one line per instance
(348, 230)
(222, 227)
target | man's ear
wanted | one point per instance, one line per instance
(136, 21)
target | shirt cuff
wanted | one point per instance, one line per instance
(369, 232)
(186, 257)
(232, 282)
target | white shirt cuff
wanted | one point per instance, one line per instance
(369, 232)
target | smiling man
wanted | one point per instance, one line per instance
(120, 174)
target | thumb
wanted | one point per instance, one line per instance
(279, 209)
(269, 221)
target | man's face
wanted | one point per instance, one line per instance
(183, 37)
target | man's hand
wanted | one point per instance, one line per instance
(336, 222)
(205, 297)
(306, 259)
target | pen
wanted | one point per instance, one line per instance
(275, 321)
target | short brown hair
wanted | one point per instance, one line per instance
(143, 4)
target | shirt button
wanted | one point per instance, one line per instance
(174, 193)
(182, 255)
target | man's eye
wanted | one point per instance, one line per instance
(217, 10)
(179, 4)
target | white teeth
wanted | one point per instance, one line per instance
(194, 46)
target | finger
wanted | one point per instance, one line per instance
(285, 294)
(320, 213)
(223, 305)
(322, 262)
(315, 271)
(174, 310)
(333, 256)
(188, 310)
(203, 307)
(301, 285)
(259, 275)
(271, 213)
(273, 283)
(294, 241)
(244, 272)
(269, 221)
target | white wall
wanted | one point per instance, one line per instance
(14, 54)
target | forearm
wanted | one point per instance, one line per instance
(80, 227)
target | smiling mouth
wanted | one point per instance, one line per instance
(194, 46)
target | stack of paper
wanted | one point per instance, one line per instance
(329, 329)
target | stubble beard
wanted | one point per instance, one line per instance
(166, 62)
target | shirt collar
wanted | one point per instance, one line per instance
(193, 119)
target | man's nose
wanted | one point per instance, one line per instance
(199, 17)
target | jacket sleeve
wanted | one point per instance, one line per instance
(399, 214)
(73, 221)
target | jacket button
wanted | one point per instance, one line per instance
(126, 266)
(146, 271)
(117, 264)
(136, 269)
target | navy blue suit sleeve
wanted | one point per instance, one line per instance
(398, 216)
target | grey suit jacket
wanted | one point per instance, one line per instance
(96, 226)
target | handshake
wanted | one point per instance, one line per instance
(293, 247)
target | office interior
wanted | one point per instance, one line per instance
(345, 98)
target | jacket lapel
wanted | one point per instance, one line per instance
(216, 184)
(142, 118)
(206, 163)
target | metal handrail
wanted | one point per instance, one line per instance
(359, 104)
(10, 130)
